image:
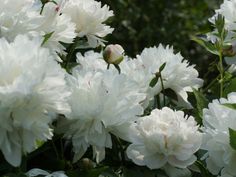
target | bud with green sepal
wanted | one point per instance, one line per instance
(113, 54)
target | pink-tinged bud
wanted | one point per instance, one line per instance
(113, 54)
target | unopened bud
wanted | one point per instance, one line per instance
(229, 50)
(86, 163)
(113, 54)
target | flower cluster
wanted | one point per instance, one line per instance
(33, 89)
(102, 103)
(105, 100)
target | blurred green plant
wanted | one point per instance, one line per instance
(144, 23)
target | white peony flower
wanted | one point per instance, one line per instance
(32, 90)
(18, 17)
(38, 172)
(90, 62)
(177, 74)
(25, 17)
(165, 137)
(89, 17)
(57, 24)
(102, 103)
(217, 120)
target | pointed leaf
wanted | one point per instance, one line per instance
(231, 87)
(47, 37)
(206, 44)
(230, 105)
(153, 82)
(220, 24)
(232, 138)
(202, 102)
(162, 67)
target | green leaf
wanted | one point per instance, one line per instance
(203, 169)
(95, 172)
(138, 172)
(210, 47)
(46, 37)
(109, 173)
(171, 94)
(227, 76)
(162, 67)
(82, 44)
(15, 175)
(153, 82)
(232, 138)
(87, 173)
(157, 75)
(220, 23)
(202, 102)
(6, 167)
(230, 105)
(39, 143)
(231, 87)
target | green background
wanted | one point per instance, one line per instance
(145, 23)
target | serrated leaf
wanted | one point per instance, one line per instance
(210, 47)
(232, 138)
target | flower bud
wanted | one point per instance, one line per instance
(229, 50)
(86, 163)
(113, 54)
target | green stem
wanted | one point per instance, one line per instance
(62, 149)
(55, 149)
(156, 102)
(163, 89)
(221, 70)
(212, 83)
(70, 54)
(122, 151)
